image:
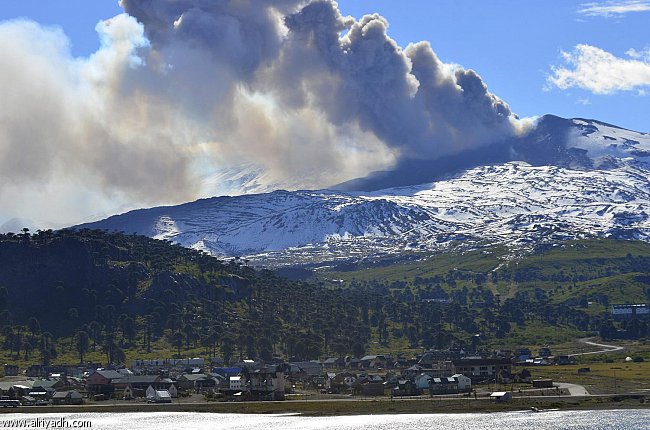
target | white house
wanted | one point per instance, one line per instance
(464, 383)
(151, 392)
(162, 396)
(173, 391)
(236, 383)
(158, 396)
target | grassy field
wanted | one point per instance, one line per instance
(602, 378)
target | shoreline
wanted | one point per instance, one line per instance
(353, 407)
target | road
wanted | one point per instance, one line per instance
(573, 389)
(607, 348)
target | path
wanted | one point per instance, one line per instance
(607, 348)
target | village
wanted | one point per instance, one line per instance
(433, 373)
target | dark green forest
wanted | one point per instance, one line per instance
(76, 295)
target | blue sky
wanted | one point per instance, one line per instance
(512, 44)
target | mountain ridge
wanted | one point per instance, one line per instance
(577, 178)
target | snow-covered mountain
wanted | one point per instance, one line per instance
(568, 179)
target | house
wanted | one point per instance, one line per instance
(406, 387)
(523, 354)
(304, 370)
(413, 371)
(14, 389)
(372, 361)
(447, 385)
(227, 372)
(150, 392)
(158, 396)
(54, 384)
(168, 363)
(67, 398)
(484, 369)
(543, 383)
(47, 386)
(138, 382)
(100, 382)
(501, 396)
(267, 383)
(36, 371)
(438, 368)
(173, 391)
(352, 363)
(565, 360)
(629, 311)
(333, 363)
(216, 361)
(11, 370)
(372, 388)
(196, 381)
(464, 383)
(236, 383)
(340, 382)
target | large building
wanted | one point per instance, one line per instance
(484, 368)
(630, 311)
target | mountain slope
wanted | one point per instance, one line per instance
(580, 179)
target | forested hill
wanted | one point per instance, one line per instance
(132, 293)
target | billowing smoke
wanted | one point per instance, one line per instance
(184, 89)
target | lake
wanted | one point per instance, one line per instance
(589, 420)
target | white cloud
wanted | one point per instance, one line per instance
(643, 55)
(614, 9)
(593, 69)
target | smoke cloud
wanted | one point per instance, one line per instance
(181, 90)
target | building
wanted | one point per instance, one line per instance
(565, 360)
(484, 369)
(139, 382)
(501, 396)
(100, 382)
(464, 383)
(67, 398)
(196, 381)
(629, 311)
(423, 381)
(443, 386)
(305, 370)
(11, 370)
(267, 383)
(158, 396)
(236, 383)
(543, 383)
(168, 363)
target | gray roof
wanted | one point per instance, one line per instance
(64, 394)
(110, 374)
(136, 379)
(195, 376)
(45, 383)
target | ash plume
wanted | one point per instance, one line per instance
(181, 89)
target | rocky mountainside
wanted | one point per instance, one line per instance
(567, 179)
